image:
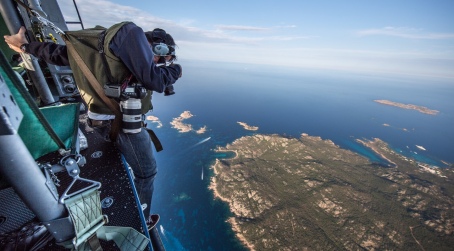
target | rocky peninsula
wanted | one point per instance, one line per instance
(422, 109)
(308, 194)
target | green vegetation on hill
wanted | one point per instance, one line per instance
(309, 194)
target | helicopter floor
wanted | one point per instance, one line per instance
(118, 197)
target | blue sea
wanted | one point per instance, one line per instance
(333, 105)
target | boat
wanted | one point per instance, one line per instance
(421, 148)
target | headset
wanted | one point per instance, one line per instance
(160, 49)
(158, 45)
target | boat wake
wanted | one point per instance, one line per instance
(202, 141)
(189, 148)
(161, 228)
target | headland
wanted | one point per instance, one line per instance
(309, 194)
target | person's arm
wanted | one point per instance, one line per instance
(49, 52)
(132, 47)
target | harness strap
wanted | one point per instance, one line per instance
(107, 71)
(25, 6)
(94, 244)
(113, 105)
(85, 213)
(157, 144)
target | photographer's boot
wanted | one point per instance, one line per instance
(152, 221)
(32, 236)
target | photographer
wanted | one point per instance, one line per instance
(156, 36)
(128, 53)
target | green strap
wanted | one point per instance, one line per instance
(126, 238)
(86, 214)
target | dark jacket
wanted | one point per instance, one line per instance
(128, 45)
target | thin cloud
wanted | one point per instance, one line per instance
(111, 13)
(289, 38)
(241, 28)
(221, 37)
(218, 44)
(404, 32)
(251, 28)
(285, 26)
(114, 13)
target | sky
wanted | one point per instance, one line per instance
(404, 37)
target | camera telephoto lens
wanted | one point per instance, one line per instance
(132, 115)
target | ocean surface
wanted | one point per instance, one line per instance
(333, 105)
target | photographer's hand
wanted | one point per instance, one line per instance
(15, 41)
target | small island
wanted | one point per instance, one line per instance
(309, 194)
(182, 127)
(421, 109)
(248, 127)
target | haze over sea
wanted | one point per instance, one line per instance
(333, 105)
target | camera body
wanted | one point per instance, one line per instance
(169, 90)
(125, 92)
(130, 104)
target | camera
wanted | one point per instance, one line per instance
(134, 90)
(169, 90)
(130, 104)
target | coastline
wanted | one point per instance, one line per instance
(227, 150)
(232, 221)
(255, 187)
(239, 235)
(371, 145)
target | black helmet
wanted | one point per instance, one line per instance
(156, 36)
